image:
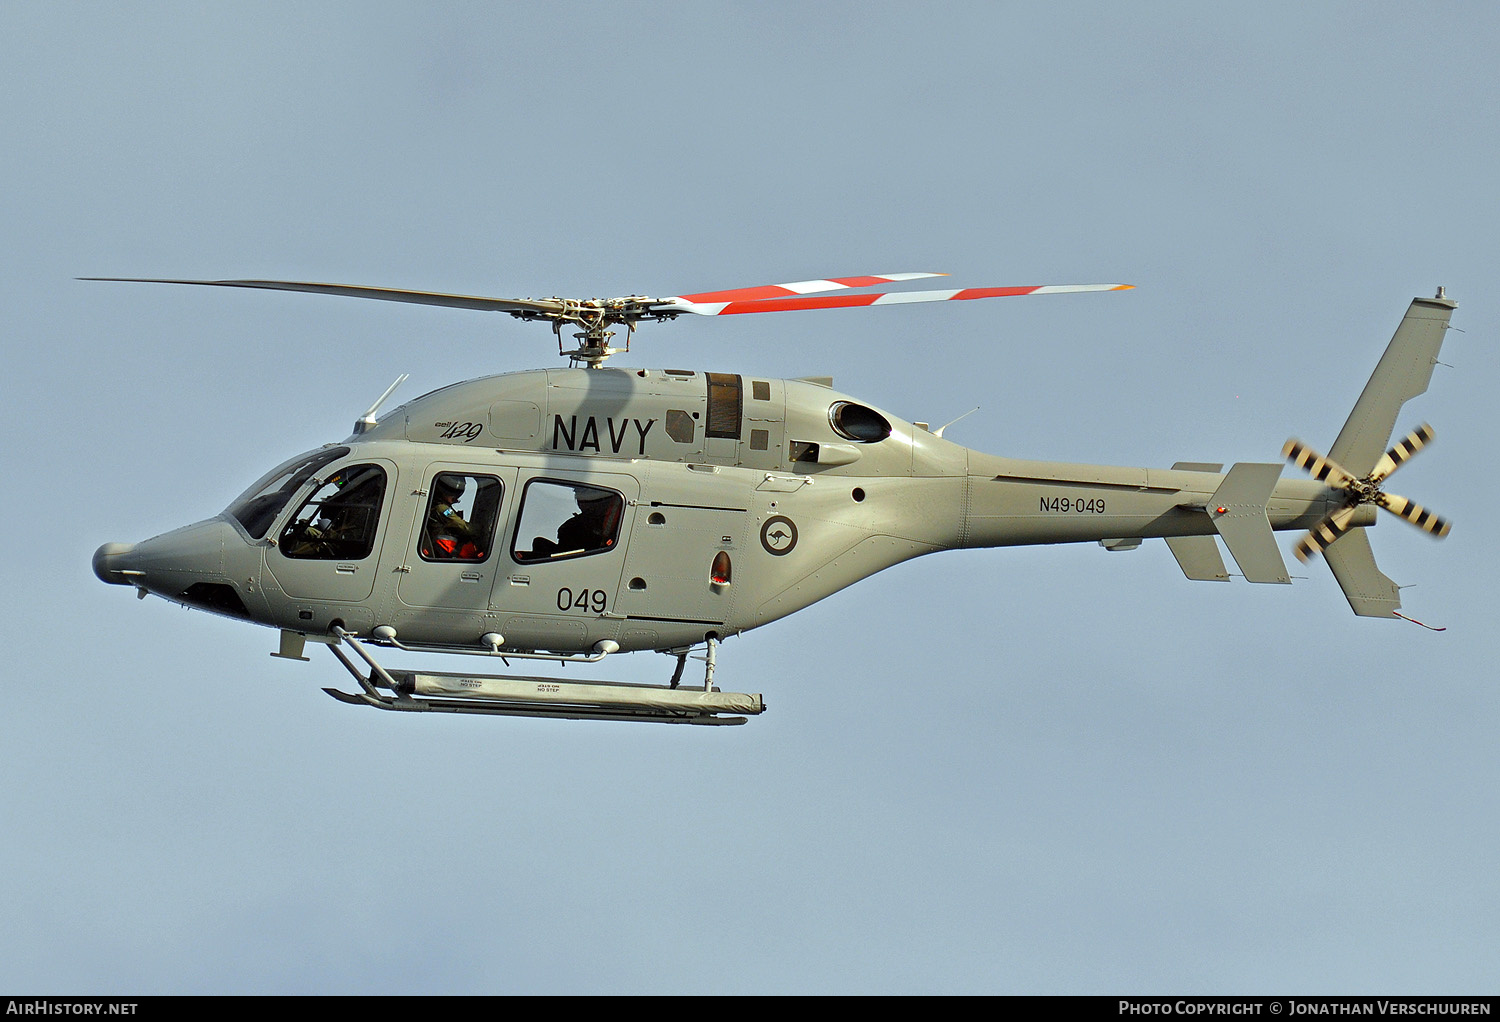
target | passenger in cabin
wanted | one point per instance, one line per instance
(449, 536)
(592, 528)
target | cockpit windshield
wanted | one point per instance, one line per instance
(258, 506)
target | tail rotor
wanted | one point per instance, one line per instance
(1322, 535)
(1359, 491)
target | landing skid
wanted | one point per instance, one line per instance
(524, 696)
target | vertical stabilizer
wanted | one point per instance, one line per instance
(1358, 463)
(1369, 592)
(1404, 372)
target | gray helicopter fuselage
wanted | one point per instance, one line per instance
(727, 502)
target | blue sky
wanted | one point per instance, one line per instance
(1049, 770)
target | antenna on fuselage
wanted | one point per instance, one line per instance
(367, 420)
(965, 415)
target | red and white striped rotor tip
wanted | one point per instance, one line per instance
(803, 295)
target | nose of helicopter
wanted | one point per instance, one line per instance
(168, 564)
(112, 561)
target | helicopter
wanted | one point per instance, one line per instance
(570, 514)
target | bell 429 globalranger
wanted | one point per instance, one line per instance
(569, 514)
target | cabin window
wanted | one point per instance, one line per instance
(257, 507)
(460, 520)
(559, 520)
(856, 422)
(338, 522)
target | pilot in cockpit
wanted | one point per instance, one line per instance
(332, 521)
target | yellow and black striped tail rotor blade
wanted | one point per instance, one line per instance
(1397, 456)
(1321, 469)
(1414, 513)
(1322, 535)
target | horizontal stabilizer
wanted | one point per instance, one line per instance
(1238, 510)
(1198, 557)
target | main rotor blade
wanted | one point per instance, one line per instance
(800, 287)
(1322, 535)
(384, 294)
(1396, 456)
(732, 308)
(1321, 468)
(1414, 513)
